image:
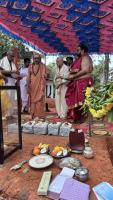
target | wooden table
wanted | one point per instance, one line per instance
(100, 167)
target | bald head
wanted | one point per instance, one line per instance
(10, 55)
(59, 61)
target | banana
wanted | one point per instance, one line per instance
(43, 145)
(40, 145)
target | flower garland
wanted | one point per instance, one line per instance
(99, 101)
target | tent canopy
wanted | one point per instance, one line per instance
(53, 26)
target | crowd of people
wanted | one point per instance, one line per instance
(72, 76)
(32, 81)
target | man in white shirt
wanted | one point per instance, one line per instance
(8, 68)
(23, 85)
(62, 71)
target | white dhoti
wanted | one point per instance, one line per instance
(23, 87)
(24, 94)
(60, 101)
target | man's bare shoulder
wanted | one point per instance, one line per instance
(87, 58)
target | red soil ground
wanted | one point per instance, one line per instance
(17, 185)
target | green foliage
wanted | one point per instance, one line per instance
(51, 70)
(98, 71)
(101, 70)
(6, 43)
(110, 116)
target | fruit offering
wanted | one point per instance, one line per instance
(59, 151)
(40, 149)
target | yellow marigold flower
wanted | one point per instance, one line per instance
(111, 94)
(109, 106)
(102, 112)
(96, 115)
(88, 92)
(92, 110)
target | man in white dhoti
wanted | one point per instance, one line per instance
(9, 69)
(62, 72)
(23, 85)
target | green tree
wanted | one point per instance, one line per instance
(101, 70)
(98, 71)
(7, 42)
(106, 67)
(51, 70)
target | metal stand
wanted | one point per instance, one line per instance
(89, 124)
(16, 146)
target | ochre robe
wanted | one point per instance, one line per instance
(36, 90)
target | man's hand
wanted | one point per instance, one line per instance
(19, 78)
(58, 86)
(59, 77)
(73, 71)
(15, 75)
(71, 76)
